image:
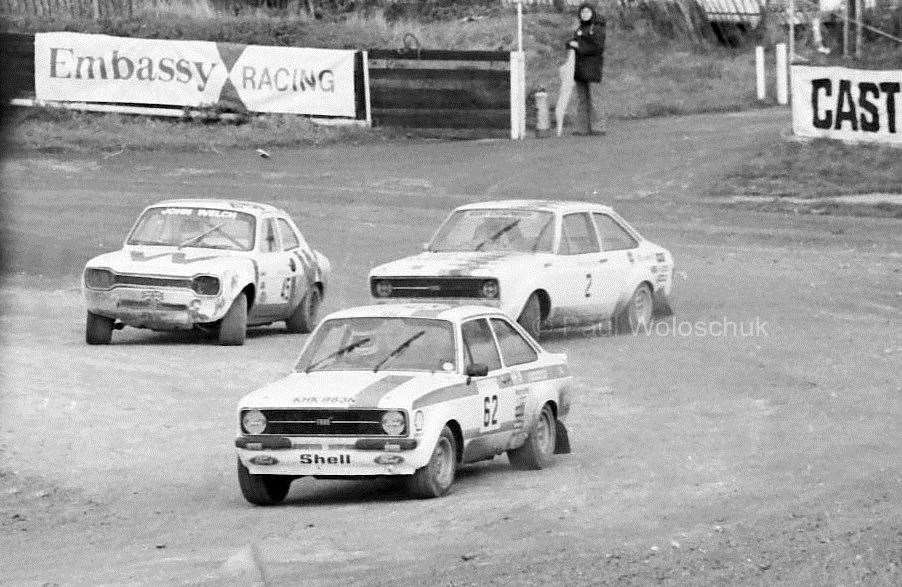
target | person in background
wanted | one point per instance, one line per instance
(588, 43)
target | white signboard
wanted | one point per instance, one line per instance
(292, 80)
(98, 68)
(847, 104)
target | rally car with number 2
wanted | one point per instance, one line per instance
(547, 264)
(216, 265)
(414, 390)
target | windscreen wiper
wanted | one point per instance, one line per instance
(399, 349)
(337, 353)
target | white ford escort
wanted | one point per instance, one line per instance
(543, 263)
(404, 389)
(219, 265)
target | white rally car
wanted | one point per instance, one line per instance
(220, 265)
(543, 263)
(404, 389)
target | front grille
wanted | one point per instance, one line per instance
(144, 280)
(432, 287)
(325, 422)
(151, 305)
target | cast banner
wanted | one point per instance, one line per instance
(75, 67)
(847, 104)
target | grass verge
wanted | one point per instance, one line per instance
(805, 176)
(53, 130)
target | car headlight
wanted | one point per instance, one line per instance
(393, 423)
(382, 289)
(205, 285)
(253, 422)
(99, 278)
(490, 288)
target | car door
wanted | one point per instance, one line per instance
(518, 357)
(274, 280)
(492, 410)
(616, 262)
(574, 270)
(301, 272)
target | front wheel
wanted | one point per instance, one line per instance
(538, 450)
(637, 314)
(263, 489)
(233, 328)
(435, 479)
(98, 329)
(531, 316)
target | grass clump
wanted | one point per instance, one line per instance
(817, 169)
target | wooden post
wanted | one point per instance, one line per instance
(845, 28)
(782, 77)
(759, 73)
(792, 29)
(366, 89)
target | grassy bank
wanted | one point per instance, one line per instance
(805, 175)
(646, 73)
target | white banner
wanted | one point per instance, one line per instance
(297, 81)
(76, 67)
(847, 104)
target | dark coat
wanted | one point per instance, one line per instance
(590, 53)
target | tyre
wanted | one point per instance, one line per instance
(435, 479)
(305, 316)
(538, 450)
(637, 314)
(98, 329)
(263, 489)
(233, 328)
(531, 316)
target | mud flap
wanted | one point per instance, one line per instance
(561, 439)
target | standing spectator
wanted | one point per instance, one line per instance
(588, 43)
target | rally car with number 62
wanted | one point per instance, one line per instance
(216, 265)
(413, 390)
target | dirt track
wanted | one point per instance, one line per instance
(775, 457)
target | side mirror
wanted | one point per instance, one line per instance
(477, 370)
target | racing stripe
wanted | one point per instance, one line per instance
(444, 394)
(370, 395)
(477, 432)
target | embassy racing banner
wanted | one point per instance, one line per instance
(847, 104)
(75, 67)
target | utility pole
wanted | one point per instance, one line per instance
(845, 28)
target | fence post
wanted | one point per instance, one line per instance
(759, 73)
(518, 95)
(366, 89)
(782, 74)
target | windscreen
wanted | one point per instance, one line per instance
(496, 230)
(195, 227)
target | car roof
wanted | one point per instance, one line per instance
(452, 313)
(221, 204)
(559, 206)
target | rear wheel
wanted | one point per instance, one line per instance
(531, 316)
(538, 450)
(233, 328)
(636, 315)
(263, 489)
(306, 314)
(98, 329)
(435, 479)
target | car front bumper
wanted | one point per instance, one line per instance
(331, 457)
(155, 308)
